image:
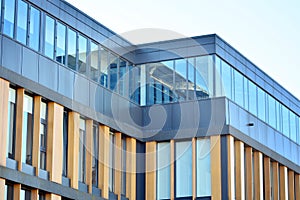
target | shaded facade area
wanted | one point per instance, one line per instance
(85, 114)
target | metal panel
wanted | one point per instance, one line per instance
(11, 55)
(30, 64)
(81, 90)
(66, 82)
(48, 73)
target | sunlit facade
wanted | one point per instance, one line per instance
(84, 114)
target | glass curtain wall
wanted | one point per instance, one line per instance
(11, 130)
(94, 66)
(82, 54)
(49, 37)
(61, 43)
(22, 13)
(9, 18)
(34, 28)
(72, 45)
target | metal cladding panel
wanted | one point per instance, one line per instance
(81, 90)
(66, 79)
(48, 73)
(30, 64)
(11, 55)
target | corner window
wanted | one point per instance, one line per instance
(81, 160)
(49, 37)
(43, 136)
(22, 21)
(11, 131)
(9, 18)
(34, 29)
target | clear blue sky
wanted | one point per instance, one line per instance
(265, 31)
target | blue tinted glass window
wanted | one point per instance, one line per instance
(293, 124)
(113, 71)
(180, 79)
(61, 43)
(34, 32)
(27, 130)
(191, 78)
(82, 54)
(104, 67)
(204, 77)
(71, 49)
(227, 79)
(285, 121)
(246, 94)
(272, 111)
(218, 77)
(22, 21)
(9, 17)
(278, 116)
(252, 98)
(49, 37)
(94, 55)
(163, 170)
(261, 99)
(238, 88)
(122, 81)
(298, 135)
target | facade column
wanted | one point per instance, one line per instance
(283, 189)
(89, 155)
(17, 192)
(216, 181)
(131, 168)
(267, 177)
(55, 142)
(104, 160)
(150, 171)
(34, 194)
(275, 180)
(52, 197)
(36, 134)
(258, 176)
(4, 88)
(239, 170)
(73, 148)
(249, 173)
(297, 186)
(118, 164)
(291, 184)
(19, 126)
(2, 188)
(230, 167)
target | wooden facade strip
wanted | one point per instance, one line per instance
(150, 171)
(216, 182)
(4, 88)
(36, 133)
(239, 170)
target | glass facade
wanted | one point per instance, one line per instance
(11, 128)
(49, 37)
(81, 154)
(22, 21)
(95, 155)
(72, 45)
(27, 130)
(43, 136)
(82, 54)
(9, 18)
(94, 67)
(34, 28)
(163, 170)
(61, 43)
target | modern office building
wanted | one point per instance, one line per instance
(85, 114)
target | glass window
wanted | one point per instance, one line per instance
(123, 166)
(94, 54)
(238, 88)
(227, 79)
(163, 170)
(246, 94)
(122, 79)
(261, 98)
(218, 78)
(25, 194)
(285, 121)
(104, 67)
(95, 155)
(82, 54)
(81, 160)
(293, 130)
(136, 84)
(278, 116)
(34, 32)
(113, 71)
(43, 135)
(271, 111)
(61, 43)
(22, 21)
(11, 130)
(204, 77)
(9, 18)
(183, 169)
(65, 144)
(49, 37)
(9, 191)
(111, 161)
(203, 168)
(298, 135)
(180, 79)
(27, 130)
(191, 78)
(72, 49)
(252, 98)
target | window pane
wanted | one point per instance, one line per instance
(278, 116)
(285, 121)
(203, 168)
(11, 124)
(252, 98)
(65, 143)
(95, 156)
(71, 49)
(135, 84)
(49, 37)
(34, 32)
(204, 77)
(122, 76)
(61, 43)
(238, 88)
(218, 78)
(183, 169)
(27, 130)
(246, 94)
(191, 78)
(227, 79)
(163, 170)
(9, 15)
(272, 111)
(293, 131)
(82, 54)
(111, 162)
(104, 67)
(261, 104)
(94, 54)
(81, 160)
(113, 71)
(180, 79)
(22, 21)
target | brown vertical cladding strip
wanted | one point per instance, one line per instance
(118, 164)
(89, 154)
(2, 188)
(275, 180)
(258, 175)
(55, 141)
(230, 167)
(249, 173)
(291, 184)
(194, 172)
(36, 133)
(283, 183)
(104, 160)
(172, 169)
(52, 197)
(4, 88)
(34, 194)
(19, 125)
(150, 171)
(267, 177)
(17, 192)
(239, 170)
(216, 182)
(131, 168)
(100, 158)
(73, 148)
(297, 186)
